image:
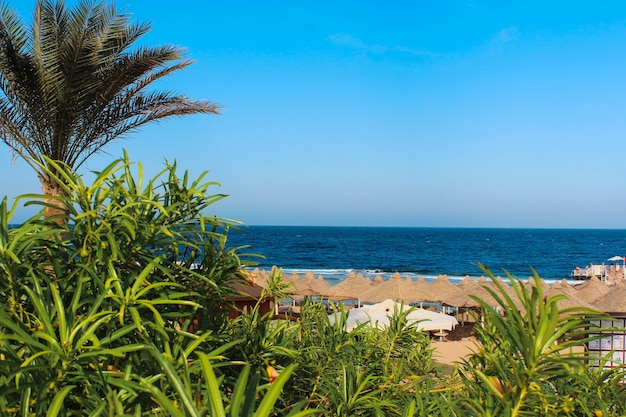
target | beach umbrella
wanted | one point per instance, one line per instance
(441, 290)
(351, 287)
(571, 297)
(377, 315)
(545, 287)
(304, 289)
(478, 288)
(378, 280)
(466, 282)
(394, 288)
(299, 284)
(312, 285)
(294, 278)
(370, 282)
(257, 277)
(321, 285)
(592, 290)
(614, 301)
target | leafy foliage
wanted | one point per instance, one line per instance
(123, 310)
(532, 359)
(96, 311)
(74, 80)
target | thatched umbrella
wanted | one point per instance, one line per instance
(351, 287)
(613, 302)
(300, 284)
(421, 285)
(531, 283)
(321, 285)
(294, 278)
(257, 277)
(479, 289)
(312, 284)
(571, 300)
(592, 290)
(368, 281)
(396, 289)
(378, 280)
(466, 282)
(442, 290)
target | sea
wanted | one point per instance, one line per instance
(335, 252)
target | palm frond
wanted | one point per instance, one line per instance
(75, 80)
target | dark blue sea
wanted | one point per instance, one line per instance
(334, 252)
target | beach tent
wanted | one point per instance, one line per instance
(377, 315)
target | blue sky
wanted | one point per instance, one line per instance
(412, 113)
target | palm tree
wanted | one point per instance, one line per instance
(73, 81)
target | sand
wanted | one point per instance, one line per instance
(450, 352)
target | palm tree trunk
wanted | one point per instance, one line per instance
(56, 210)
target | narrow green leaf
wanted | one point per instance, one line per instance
(267, 404)
(57, 402)
(239, 392)
(215, 398)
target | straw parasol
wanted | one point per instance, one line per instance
(396, 289)
(368, 281)
(545, 287)
(351, 287)
(299, 284)
(442, 290)
(378, 280)
(321, 285)
(465, 283)
(592, 290)
(478, 288)
(421, 285)
(571, 298)
(613, 302)
(257, 277)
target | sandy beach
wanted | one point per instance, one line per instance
(450, 352)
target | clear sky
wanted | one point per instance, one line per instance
(401, 113)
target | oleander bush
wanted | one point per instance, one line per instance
(96, 305)
(119, 306)
(532, 359)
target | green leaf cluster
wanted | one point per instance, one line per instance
(118, 307)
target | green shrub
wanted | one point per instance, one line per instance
(532, 359)
(119, 306)
(97, 307)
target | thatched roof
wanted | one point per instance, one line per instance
(351, 287)
(592, 290)
(320, 284)
(531, 283)
(571, 300)
(441, 290)
(479, 289)
(396, 289)
(465, 283)
(422, 286)
(257, 277)
(378, 280)
(614, 301)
